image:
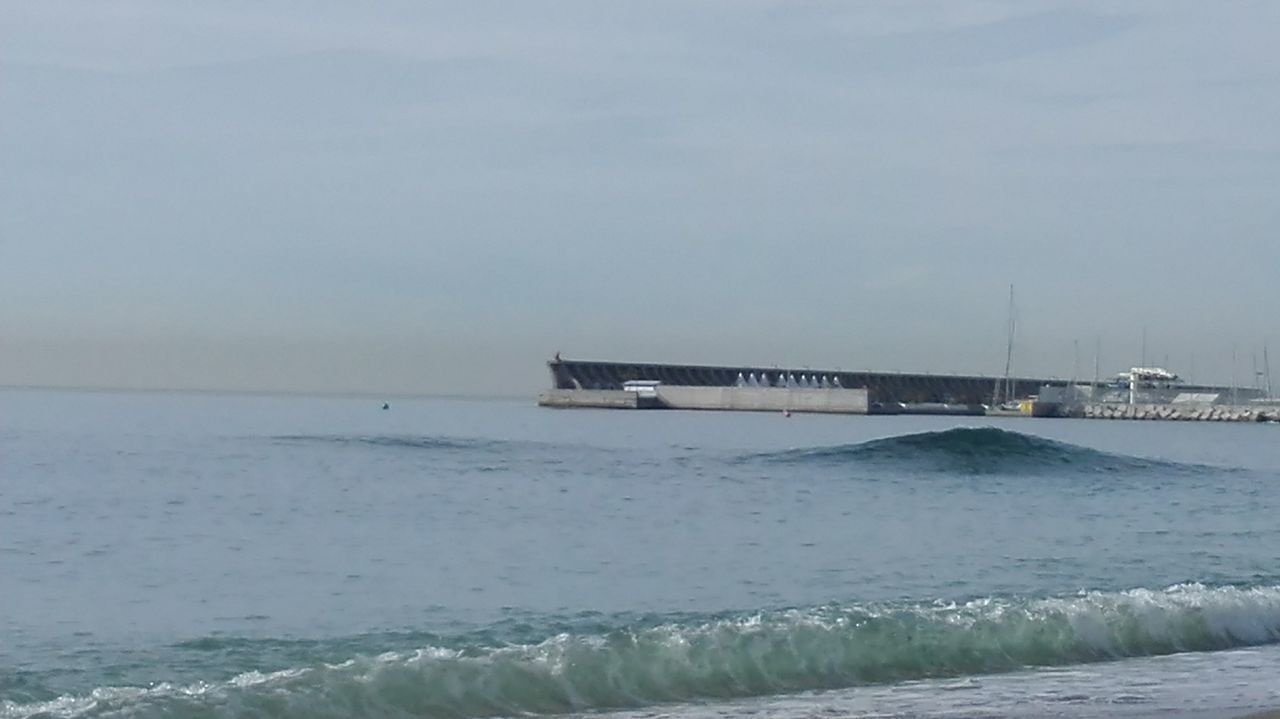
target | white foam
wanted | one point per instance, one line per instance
(755, 654)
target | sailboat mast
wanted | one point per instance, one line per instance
(1097, 351)
(1008, 355)
(1075, 362)
(1266, 367)
(1235, 396)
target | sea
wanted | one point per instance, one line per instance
(207, 555)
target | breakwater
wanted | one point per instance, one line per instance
(1171, 412)
(882, 387)
(741, 399)
(594, 399)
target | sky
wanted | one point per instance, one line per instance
(435, 197)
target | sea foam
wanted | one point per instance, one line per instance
(744, 655)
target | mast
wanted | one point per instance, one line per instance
(1097, 350)
(1005, 386)
(1235, 396)
(1266, 367)
(1075, 362)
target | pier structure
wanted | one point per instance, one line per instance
(581, 383)
(882, 388)
(1145, 395)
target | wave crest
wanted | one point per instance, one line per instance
(972, 450)
(765, 653)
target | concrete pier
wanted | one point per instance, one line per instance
(740, 399)
(882, 387)
(589, 398)
(765, 399)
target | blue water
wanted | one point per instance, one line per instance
(209, 555)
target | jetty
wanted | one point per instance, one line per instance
(629, 385)
(580, 382)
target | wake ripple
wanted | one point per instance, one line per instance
(393, 441)
(716, 658)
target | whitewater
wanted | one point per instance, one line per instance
(169, 555)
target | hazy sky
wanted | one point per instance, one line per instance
(436, 197)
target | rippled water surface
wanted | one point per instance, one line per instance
(204, 555)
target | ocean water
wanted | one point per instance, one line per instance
(185, 555)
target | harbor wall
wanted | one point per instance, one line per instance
(765, 399)
(882, 387)
(598, 398)
(742, 399)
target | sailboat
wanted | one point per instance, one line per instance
(1004, 395)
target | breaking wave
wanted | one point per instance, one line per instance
(715, 658)
(973, 450)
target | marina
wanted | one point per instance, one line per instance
(1140, 393)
